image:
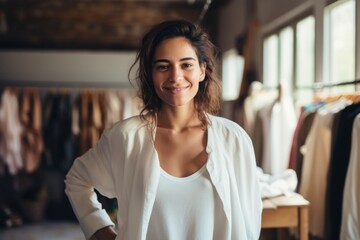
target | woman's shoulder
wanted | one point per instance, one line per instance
(226, 126)
(128, 126)
(221, 122)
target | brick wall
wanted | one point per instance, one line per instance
(87, 24)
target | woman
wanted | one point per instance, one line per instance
(177, 171)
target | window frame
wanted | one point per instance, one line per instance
(317, 9)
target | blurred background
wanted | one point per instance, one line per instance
(64, 78)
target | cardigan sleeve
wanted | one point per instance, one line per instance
(91, 171)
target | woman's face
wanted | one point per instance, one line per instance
(176, 72)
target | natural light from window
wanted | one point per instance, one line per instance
(305, 59)
(305, 39)
(286, 59)
(232, 71)
(271, 61)
(340, 44)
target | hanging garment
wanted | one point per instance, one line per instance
(258, 139)
(264, 117)
(302, 129)
(32, 138)
(112, 107)
(10, 133)
(256, 100)
(278, 122)
(282, 127)
(57, 131)
(96, 126)
(316, 162)
(91, 119)
(131, 105)
(350, 220)
(338, 168)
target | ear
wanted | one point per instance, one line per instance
(203, 72)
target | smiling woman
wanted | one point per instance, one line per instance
(175, 151)
(177, 72)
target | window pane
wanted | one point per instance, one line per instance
(305, 58)
(305, 39)
(341, 43)
(232, 70)
(271, 61)
(286, 58)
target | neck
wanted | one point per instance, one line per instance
(178, 119)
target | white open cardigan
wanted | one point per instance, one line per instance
(124, 165)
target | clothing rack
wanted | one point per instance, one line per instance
(320, 85)
(66, 84)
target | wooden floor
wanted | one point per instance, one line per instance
(44, 231)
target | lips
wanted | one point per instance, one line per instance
(176, 89)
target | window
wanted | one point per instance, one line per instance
(305, 52)
(232, 71)
(289, 50)
(271, 61)
(278, 61)
(305, 59)
(339, 37)
(286, 59)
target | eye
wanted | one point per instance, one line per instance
(187, 65)
(161, 68)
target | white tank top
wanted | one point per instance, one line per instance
(186, 208)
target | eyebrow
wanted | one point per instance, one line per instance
(167, 61)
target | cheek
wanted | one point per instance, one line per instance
(198, 78)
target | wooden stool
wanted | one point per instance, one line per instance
(287, 211)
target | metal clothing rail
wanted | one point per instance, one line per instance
(66, 84)
(329, 85)
(320, 85)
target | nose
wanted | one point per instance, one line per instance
(175, 74)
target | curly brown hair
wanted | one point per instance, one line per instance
(207, 100)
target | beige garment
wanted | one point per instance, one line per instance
(84, 121)
(32, 139)
(96, 125)
(75, 119)
(131, 104)
(10, 133)
(91, 119)
(316, 152)
(112, 107)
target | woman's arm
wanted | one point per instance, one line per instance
(91, 171)
(106, 233)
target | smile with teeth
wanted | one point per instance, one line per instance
(176, 89)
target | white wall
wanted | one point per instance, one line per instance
(65, 68)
